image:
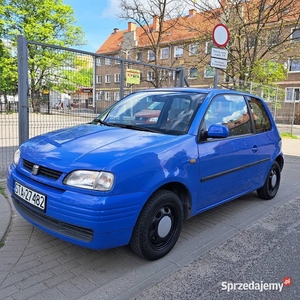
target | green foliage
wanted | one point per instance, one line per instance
(288, 135)
(268, 72)
(2, 190)
(49, 22)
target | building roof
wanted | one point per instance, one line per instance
(178, 29)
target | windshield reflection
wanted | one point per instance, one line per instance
(164, 112)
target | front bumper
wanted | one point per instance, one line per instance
(87, 220)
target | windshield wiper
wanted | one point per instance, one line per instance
(101, 122)
(134, 127)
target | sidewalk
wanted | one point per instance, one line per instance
(289, 147)
(33, 263)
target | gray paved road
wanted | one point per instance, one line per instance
(35, 265)
(250, 265)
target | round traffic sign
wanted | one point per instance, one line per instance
(220, 35)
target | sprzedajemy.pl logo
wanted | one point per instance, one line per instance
(256, 286)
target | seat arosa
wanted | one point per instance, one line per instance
(120, 180)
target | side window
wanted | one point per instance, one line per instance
(231, 111)
(260, 116)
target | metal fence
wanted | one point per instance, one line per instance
(76, 88)
(78, 85)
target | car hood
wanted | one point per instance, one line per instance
(89, 146)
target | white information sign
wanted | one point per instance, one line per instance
(219, 53)
(218, 63)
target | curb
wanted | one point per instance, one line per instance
(6, 214)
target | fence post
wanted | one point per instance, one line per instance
(23, 89)
(94, 85)
(122, 79)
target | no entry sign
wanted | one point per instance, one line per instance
(220, 35)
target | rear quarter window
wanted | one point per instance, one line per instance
(261, 119)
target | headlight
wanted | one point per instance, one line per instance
(17, 157)
(92, 180)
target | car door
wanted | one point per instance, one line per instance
(227, 166)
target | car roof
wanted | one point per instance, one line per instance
(211, 91)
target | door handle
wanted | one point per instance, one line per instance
(254, 149)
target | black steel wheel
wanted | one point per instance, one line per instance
(158, 226)
(271, 185)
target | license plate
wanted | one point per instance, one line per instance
(36, 199)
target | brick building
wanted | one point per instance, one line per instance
(186, 42)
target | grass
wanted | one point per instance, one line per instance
(288, 135)
(2, 190)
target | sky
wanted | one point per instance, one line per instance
(97, 18)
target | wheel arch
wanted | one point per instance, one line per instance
(280, 161)
(182, 192)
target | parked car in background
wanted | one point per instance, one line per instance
(125, 180)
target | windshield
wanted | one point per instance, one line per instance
(165, 112)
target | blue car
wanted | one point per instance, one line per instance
(122, 180)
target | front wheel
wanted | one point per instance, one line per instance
(158, 226)
(271, 185)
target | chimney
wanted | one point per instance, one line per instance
(155, 23)
(192, 12)
(115, 30)
(131, 26)
(223, 3)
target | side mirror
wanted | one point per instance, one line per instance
(217, 131)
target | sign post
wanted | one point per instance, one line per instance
(220, 36)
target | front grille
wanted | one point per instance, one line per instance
(53, 174)
(73, 231)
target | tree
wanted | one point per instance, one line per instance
(259, 32)
(8, 72)
(156, 18)
(44, 21)
(8, 63)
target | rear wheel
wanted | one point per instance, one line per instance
(158, 226)
(271, 185)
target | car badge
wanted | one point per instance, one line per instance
(35, 169)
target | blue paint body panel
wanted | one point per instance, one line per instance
(210, 171)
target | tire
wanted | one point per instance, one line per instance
(158, 226)
(271, 185)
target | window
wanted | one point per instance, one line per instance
(250, 42)
(295, 34)
(117, 62)
(208, 46)
(99, 79)
(117, 77)
(230, 111)
(164, 53)
(209, 72)
(292, 94)
(151, 55)
(107, 96)
(273, 37)
(163, 74)
(107, 61)
(116, 96)
(261, 119)
(194, 49)
(139, 56)
(107, 78)
(150, 75)
(99, 96)
(193, 73)
(178, 51)
(98, 62)
(294, 65)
